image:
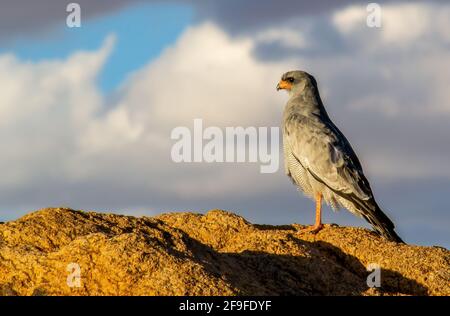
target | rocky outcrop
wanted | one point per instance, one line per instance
(67, 252)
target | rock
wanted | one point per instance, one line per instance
(214, 254)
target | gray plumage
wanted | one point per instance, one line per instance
(319, 159)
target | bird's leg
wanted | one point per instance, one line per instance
(318, 224)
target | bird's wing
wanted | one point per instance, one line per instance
(327, 155)
(324, 151)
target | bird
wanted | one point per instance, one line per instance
(320, 160)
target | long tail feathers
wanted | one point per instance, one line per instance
(379, 221)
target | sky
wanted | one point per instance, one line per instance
(86, 113)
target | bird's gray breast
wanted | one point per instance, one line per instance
(295, 169)
(306, 142)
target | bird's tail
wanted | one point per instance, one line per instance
(379, 221)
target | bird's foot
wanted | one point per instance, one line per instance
(314, 229)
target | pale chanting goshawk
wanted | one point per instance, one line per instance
(319, 159)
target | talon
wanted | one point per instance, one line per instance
(314, 229)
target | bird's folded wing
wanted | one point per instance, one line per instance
(327, 155)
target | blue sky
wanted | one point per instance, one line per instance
(142, 32)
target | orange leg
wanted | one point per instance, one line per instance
(318, 224)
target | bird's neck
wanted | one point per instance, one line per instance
(306, 102)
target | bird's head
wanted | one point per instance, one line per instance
(295, 81)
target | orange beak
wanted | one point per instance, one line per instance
(283, 84)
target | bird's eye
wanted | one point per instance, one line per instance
(290, 79)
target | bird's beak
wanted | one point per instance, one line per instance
(283, 84)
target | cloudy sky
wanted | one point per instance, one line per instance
(86, 113)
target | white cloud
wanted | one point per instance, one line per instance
(350, 18)
(402, 24)
(405, 22)
(207, 75)
(56, 125)
(42, 107)
(403, 59)
(286, 36)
